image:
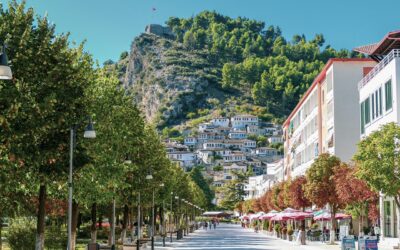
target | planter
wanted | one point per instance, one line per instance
(290, 237)
(284, 236)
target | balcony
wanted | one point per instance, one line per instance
(393, 54)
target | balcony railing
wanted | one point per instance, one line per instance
(393, 54)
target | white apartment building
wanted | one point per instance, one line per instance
(220, 122)
(203, 127)
(379, 104)
(326, 118)
(234, 157)
(186, 159)
(275, 139)
(190, 141)
(256, 186)
(265, 151)
(237, 135)
(229, 168)
(249, 144)
(242, 121)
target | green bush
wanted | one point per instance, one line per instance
(290, 230)
(21, 234)
(266, 225)
(277, 228)
(56, 238)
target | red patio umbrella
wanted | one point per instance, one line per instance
(327, 216)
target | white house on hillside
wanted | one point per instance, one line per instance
(220, 122)
(242, 121)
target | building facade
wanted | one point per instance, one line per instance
(379, 92)
(326, 118)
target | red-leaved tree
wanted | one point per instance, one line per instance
(360, 199)
(298, 200)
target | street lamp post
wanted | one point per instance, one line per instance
(171, 218)
(90, 133)
(139, 222)
(178, 230)
(162, 222)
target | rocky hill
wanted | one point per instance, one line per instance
(212, 65)
(167, 80)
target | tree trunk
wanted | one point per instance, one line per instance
(125, 220)
(100, 221)
(40, 218)
(333, 226)
(93, 229)
(110, 221)
(1, 226)
(75, 215)
(303, 231)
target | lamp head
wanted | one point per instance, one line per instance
(90, 133)
(5, 70)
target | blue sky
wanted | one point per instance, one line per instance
(109, 26)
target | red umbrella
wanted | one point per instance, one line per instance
(268, 215)
(285, 214)
(300, 215)
(327, 216)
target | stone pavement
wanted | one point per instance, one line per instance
(231, 236)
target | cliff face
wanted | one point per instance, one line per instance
(167, 80)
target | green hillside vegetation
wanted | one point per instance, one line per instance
(221, 66)
(254, 60)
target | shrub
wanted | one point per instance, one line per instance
(56, 238)
(277, 227)
(315, 226)
(284, 230)
(22, 233)
(266, 225)
(290, 230)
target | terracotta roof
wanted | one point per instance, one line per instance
(377, 50)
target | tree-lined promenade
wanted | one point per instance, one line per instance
(55, 87)
(352, 187)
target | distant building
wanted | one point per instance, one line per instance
(242, 121)
(275, 139)
(159, 30)
(185, 159)
(206, 127)
(190, 141)
(230, 168)
(220, 122)
(237, 135)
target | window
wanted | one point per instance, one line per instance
(362, 122)
(380, 101)
(365, 106)
(388, 95)
(373, 106)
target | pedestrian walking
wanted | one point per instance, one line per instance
(215, 225)
(210, 225)
(205, 225)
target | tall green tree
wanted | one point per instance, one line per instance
(46, 98)
(203, 184)
(378, 162)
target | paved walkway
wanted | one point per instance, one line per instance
(230, 236)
